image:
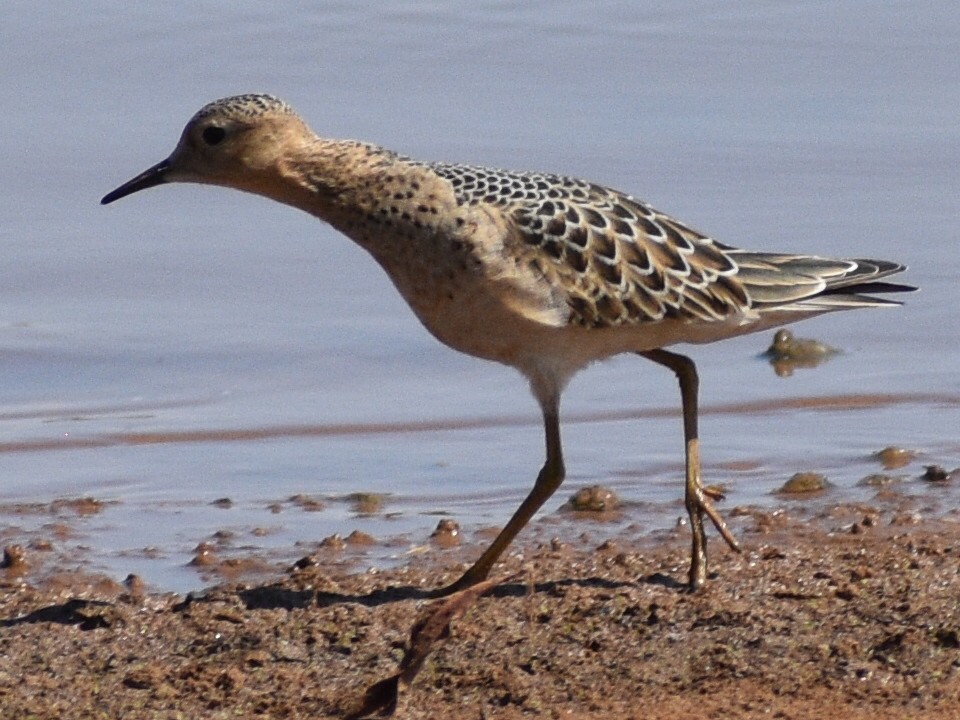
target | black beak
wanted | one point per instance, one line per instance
(157, 175)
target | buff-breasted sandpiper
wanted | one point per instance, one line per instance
(541, 272)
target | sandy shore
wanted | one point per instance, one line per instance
(854, 616)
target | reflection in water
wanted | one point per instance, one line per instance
(787, 353)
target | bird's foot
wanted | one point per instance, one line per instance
(700, 503)
(705, 506)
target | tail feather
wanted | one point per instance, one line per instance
(806, 283)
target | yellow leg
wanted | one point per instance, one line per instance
(695, 497)
(549, 479)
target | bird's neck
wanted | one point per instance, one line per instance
(331, 178)
(371, 194)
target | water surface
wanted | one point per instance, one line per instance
(190, 344)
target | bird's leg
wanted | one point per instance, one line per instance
(549, 479)
(696, 497)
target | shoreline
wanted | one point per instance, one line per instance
(857, 613)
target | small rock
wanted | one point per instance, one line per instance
(257, 658)
(14, 558)
(805, 482)
(333, 542)
(878, 480)
(79, 506)
(595, 498)
(366, 503)
(204, 555)
(447, 533)
(134, 585)
(143, 677)
(307, 561)
(894, 457)
(360, 538)
(787, 347)
(307, 503)
(935, 473)
(787, 353)
(607, 546)
(846, 592)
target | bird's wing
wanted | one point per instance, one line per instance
(617, 259)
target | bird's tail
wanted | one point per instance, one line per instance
(810, 284)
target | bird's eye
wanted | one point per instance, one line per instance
(213, 135)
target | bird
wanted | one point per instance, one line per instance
(542, 272)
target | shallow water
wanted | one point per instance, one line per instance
(190, 344)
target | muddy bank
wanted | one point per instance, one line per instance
(855, 616)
